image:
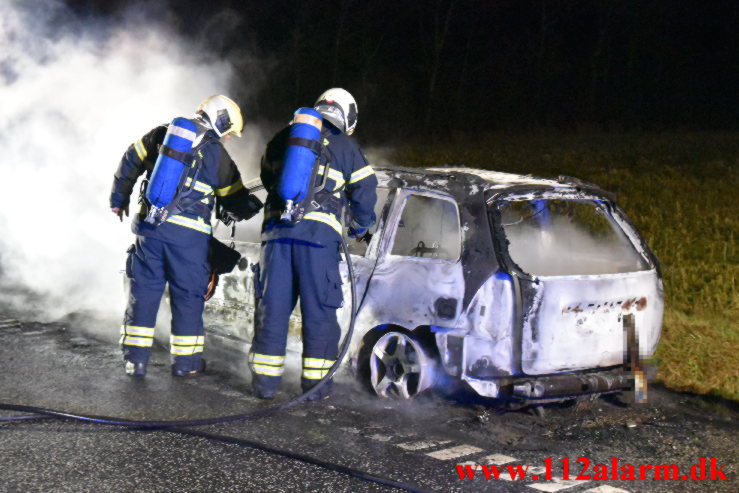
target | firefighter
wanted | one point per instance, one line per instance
(302, 259)
(175, 252)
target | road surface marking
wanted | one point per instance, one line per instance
(454, 452)
(493, 459)
(422, 444)
(381, 438)
(506, 474)
(490, 459)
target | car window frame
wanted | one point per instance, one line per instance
(373, 246)
(611, 208)
(396, 212)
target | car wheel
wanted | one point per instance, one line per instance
(399, 366)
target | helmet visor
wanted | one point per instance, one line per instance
(332, 112)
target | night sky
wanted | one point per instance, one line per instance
(439, 67)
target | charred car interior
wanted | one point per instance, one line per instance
(522, 288)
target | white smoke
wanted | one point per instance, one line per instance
(380, 156)
(565, 247)
(72, 98)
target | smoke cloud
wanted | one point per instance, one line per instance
(74, 93)
(576, 241)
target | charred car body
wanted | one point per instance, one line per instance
(516, 285)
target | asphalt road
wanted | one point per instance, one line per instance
(414, 443)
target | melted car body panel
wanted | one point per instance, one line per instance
(568, 314)
(439, 261)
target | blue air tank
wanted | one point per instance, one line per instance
(170, 166)
(302, 149)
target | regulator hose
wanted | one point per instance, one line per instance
(40, 412)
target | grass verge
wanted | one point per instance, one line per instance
(680, 190)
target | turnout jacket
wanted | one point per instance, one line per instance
(351, 181)
(218, 179)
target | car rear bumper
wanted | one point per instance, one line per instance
(556, 386)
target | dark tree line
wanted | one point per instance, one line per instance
(428, 67)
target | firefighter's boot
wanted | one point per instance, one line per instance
(264, 387)
(135, 369)
(187, 366)
(323, 393)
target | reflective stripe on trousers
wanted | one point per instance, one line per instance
(151, 265)
(291, 268)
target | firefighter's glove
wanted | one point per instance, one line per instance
(119, 211)
(253, 206)
(246, 210)
(228, 218)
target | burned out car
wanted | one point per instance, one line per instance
(518, 286)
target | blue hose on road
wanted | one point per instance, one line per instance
(40, 412)
(176, 426)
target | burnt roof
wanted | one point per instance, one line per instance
(486, 179)
(473, 180)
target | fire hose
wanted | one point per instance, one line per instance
(176, 425)
(108, 420)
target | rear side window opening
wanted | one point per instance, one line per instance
(560, 237)
(428, 228)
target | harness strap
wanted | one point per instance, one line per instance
(183, 157)
(313, 145)
(185, 198)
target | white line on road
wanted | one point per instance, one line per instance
(381, 438)
(490, 459)
(454, 452)
(506, 474)
(422, 444)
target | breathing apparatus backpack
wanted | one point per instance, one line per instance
(167, 190)
(297, 182)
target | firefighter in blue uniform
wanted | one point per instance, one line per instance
(176, 251)
(302, 259)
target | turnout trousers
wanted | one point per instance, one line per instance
(290, 269)
(150, 266)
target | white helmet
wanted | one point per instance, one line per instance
(223, 114)
(338, 107)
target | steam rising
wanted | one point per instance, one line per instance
(576, 239)
(73, 96)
